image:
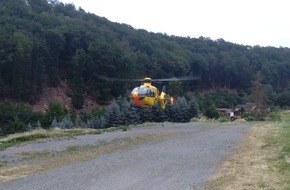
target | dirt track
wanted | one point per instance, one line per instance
(173, 156)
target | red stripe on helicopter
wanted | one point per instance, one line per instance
(136, 99)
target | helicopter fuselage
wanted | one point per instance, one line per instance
(147, 95)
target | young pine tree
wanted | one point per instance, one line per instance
(259, 96)
(113, 115)
(77, 84)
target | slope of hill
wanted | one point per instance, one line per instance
(45, 42)
(60, 94)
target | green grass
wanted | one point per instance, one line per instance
(282, 160)
(4, 145)
(19, 139)
(284, 142)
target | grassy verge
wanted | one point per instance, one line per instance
(19, 138)
(283, 158)
(261, 162)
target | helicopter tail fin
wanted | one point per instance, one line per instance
(163, 99)
(164, 89)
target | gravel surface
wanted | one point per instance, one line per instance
(184, 157)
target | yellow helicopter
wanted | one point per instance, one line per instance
(146, 95)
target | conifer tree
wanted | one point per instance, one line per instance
(54, 123)
(77, 80)
(158, 114)
(66, 123)
(101, 122)
(96, 122)
(29, 127)
(124, 108)
(21, 63)
(133, 115)
(258, 96)
(169, 113)
(185, 107)
(113, 115)
(181, 110)
(193, 107)
(145, 114)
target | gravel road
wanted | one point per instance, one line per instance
(184, 157)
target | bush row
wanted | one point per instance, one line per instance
(20, 117)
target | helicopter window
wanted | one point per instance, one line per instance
(144, 91)
(150, 93)
(134, 90)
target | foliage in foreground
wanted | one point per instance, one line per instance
(17, 118)
(284, 156)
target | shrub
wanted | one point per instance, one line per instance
(15, 117)
(223, 119)
(274, 116)
(55, 110)
(211, 112)
(248, 117)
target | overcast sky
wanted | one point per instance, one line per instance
(247, 22)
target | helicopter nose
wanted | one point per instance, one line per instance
(135, 94)
(136, 99)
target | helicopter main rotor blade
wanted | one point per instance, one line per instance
(153, 80)
(175, 79)
(118, 79)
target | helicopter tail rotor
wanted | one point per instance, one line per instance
(163, 99)
(164, 89)
(171, 100)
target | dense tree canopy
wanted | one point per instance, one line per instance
(43, 42)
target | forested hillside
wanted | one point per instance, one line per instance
(44, 42)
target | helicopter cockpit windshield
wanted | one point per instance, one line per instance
(143, 91)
